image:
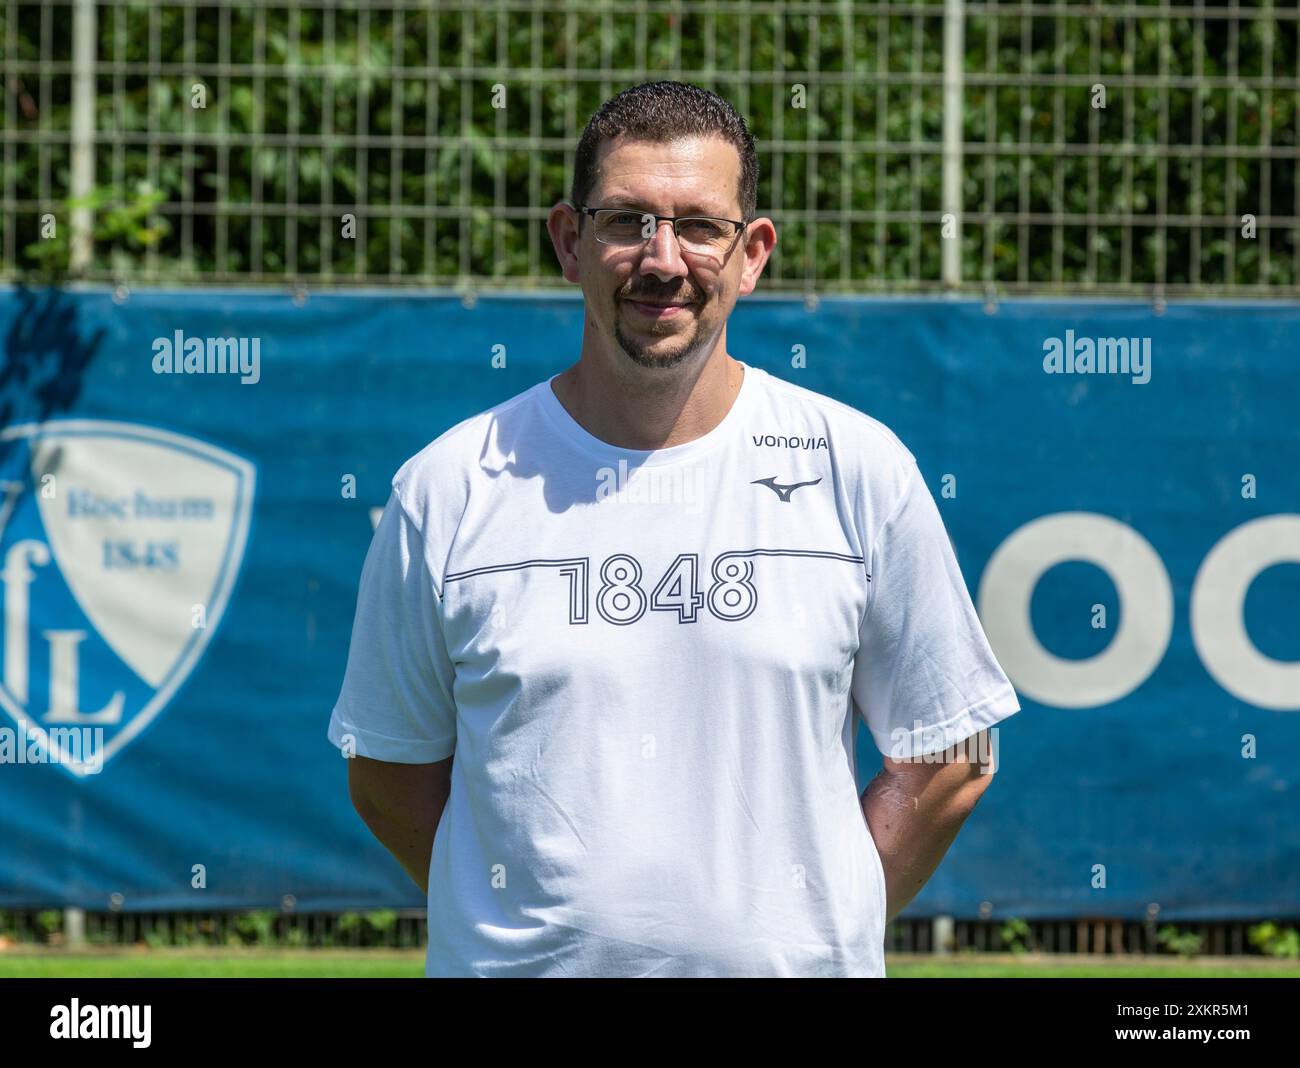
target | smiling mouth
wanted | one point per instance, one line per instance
(657, 310)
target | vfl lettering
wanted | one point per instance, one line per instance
(782, 491)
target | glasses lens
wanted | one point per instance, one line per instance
(615, 227)
(705, 235)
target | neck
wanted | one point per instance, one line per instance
(647, 408)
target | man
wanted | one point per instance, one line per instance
(612, 634)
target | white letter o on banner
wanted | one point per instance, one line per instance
(1146, 609)
(1218, 612)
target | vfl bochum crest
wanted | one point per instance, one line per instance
(119, 546)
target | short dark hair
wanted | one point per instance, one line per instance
(659, 112)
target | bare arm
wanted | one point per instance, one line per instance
(914, 811)
(402, 805)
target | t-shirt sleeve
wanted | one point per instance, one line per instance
(396, 703)
(924, 677)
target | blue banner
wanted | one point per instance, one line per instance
(188, 482)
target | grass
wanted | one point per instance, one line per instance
(140, 963)
(1041, 966)
(209, 963)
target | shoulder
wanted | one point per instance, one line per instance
(434, 486)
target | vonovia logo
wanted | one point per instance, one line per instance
(119, 546)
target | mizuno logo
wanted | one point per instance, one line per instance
(782, 491)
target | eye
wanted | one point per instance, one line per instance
(703, 229)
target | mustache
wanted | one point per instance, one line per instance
(651, 298)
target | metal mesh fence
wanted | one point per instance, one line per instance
(407, 929)
(992, 147)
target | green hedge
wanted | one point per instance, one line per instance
(860, 93)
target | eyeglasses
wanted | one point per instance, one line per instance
(703, 235)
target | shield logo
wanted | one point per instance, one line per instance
(119, 547)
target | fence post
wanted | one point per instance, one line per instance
(74, 928)
(942, 929)
(954, 50)
(83, 132)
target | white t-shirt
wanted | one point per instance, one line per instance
(647, 664)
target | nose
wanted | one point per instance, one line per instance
(663, 255)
